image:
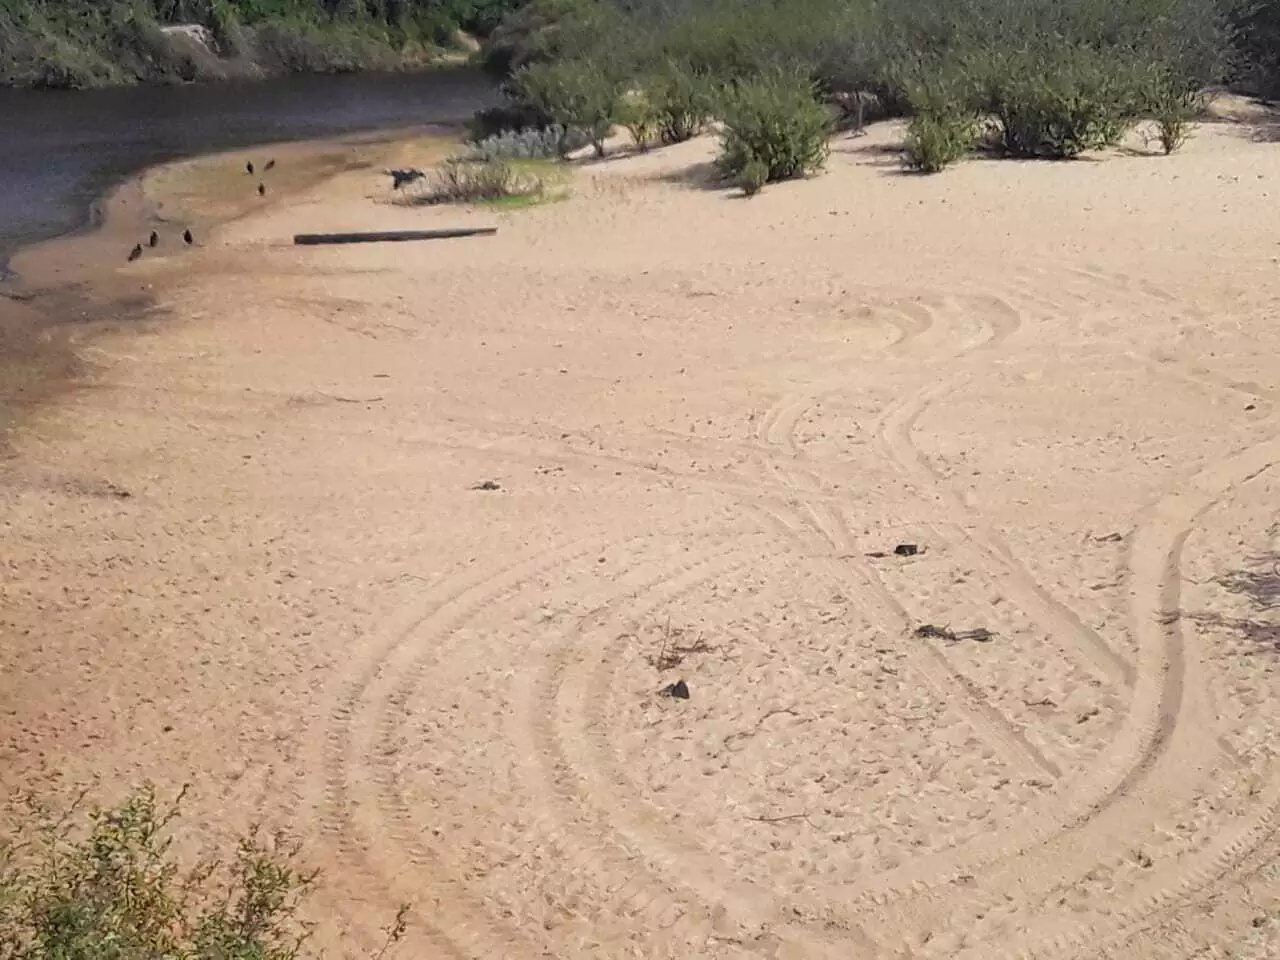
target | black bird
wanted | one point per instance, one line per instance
(400, 177)
(249, 167)
(186, 235)
(154, 240)
(135, 253)
(270, 164)
(262, 189)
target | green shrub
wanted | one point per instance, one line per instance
(774, 120)
(935, 140)
(682, 102)
(113, 890)
(636, 113)
(1058, 104)
(576, 94)
(753, 176)
(945, 124)
(1174, 110)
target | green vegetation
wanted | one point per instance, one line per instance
(107, 886)
(774, 128)
(87, 43)
(1047, 79)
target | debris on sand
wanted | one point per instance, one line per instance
(978, 634)
(901, 550)
(678, 690)
(487, 485)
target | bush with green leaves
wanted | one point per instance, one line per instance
(1056, 104)
(577, 94)
(108, 886)
(637, 114)
(682, 101)
(776, 121)
(1174, 110)
(945, 124)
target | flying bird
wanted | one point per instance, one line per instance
(262, 189)
(249, 167)
(154, 240)
(186, 235)
(270, 164)
(400, 177)
(135, 253)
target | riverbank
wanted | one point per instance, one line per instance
(77, 45)
(877, 567)
(68, 291)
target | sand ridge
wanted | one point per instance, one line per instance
(709, 423)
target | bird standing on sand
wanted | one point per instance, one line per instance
(154, 239)
(135, 253)
(270, 164)
(249, 167)
(262, 189)
(186, 236)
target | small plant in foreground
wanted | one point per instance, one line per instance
(775, 120)
(111, 889)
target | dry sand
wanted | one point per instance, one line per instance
(706, 418)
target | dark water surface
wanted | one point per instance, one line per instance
(60, 151)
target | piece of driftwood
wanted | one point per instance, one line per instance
(390, 236)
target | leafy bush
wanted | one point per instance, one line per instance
(682, 103)
(636, 113)
(573, 93)
(774, 120)
(944, 124)
(1174, 110)
(114, 891)
(1059, 104)
(935, 140)
(753, 176)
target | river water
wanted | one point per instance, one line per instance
(60, 151)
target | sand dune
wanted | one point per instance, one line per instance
(710, 422)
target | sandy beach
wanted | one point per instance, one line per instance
(396, 547)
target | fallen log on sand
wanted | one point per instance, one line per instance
(310, 239)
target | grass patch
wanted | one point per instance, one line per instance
(493, 181)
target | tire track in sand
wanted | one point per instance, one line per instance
(348, 813)
(1169, 748)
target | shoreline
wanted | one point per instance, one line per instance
(59, 294)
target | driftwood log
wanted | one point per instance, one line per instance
(392, 236)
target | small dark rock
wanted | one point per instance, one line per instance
(906, 549)
(1251, 406)
(487, 485)
(154, 239)
(679, 690)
